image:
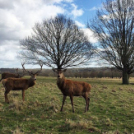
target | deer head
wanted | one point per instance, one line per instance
(59, 72)
(32, 74)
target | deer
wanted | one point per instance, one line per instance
(20, 83)
(72, 88)
(7, 75)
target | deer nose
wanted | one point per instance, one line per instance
(34, 78)
(58, 76)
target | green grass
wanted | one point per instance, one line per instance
(111, 109)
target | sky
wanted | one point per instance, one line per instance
(18, 17)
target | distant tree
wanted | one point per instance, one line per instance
(93, 74)
(85, 74)
(112, 72)
(114, 28)
(58, 43)
(100, 74)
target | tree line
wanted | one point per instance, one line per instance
(74, 72)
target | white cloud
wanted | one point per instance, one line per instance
(58, 1)
(93, 8)
(69, 1)
(28, 3)
(25, 13)
(79, 24)
(96, 7)
(76, 12)
(90, 35)
(9, 50)
(17, 22)
(6, 4)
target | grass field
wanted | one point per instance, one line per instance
(111, 109)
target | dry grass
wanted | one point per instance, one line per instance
(18, 131)
(82, 124)
(112, 132)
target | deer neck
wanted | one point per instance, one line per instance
(60, 81)
(31, 82)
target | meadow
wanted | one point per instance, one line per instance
(111, 109)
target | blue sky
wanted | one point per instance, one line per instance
(19, 16)
(88, 8)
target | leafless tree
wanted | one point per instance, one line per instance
(58, 43)
(113, 25)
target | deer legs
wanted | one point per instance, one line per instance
(64, 97)
(87, 99)
(7, 91)
(71, 98)
(87, 102)
(6, 97)
(23, 95)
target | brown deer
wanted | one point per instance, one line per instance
(72, 88)
(19, 83)
(8, 75)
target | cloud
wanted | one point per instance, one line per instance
(76, 12)
(90, 35)
(9, 26)
(69, 1)
(56, 1)
(93, 8)
(7, 48)
(96, 7)
(5, 4)
(79, 24)
(18, 20)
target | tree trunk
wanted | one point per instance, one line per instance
(125, 77)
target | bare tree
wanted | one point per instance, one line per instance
(58, 43)
(114, 28)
